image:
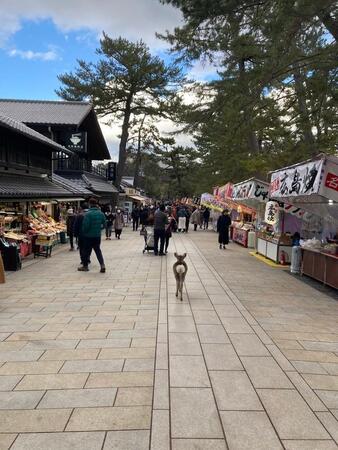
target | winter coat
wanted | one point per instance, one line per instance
(93, 222)
(223, 224)
(119, 221)
(70, 224)
(195, 217)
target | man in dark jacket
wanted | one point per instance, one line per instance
(206, 218)
(160, 222)
(223, 225)
(77, 230)
(93, 223)
(135, 215)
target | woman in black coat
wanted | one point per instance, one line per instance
(223, 224)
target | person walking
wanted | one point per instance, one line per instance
(160, 222)
(118, 223)
(169, 231)
(201, 217)
(143, 216)
(195, 218)
(223, 225)
(206, 218)
(187, 219)
(78, 231)
(135, 215)
(93, 223)
(182, 219)
(70, 227)
(109, 224)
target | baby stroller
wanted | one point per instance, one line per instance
(148, 234)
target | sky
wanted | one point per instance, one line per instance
(40, 39)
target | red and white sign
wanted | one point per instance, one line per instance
(331, 181)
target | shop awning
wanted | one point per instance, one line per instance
(311, 185)
(138, 198)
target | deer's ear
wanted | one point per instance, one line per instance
(184, 255)
(175, 254)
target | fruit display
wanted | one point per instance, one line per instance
(45, 225)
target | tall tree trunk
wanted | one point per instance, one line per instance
(306, 126)
(124, 140)
(138, 154)
(251, 135)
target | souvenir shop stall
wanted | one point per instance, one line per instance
(312, 187)
(220, 201)
(252, 193)
(26, 228)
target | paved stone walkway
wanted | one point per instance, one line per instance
(249, 359)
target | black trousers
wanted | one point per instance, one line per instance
(135, 224)
(167, 239)
(82, 250)
(92, 243)
(71, 239)
(195, 226)
(159, 235)
(118, 233)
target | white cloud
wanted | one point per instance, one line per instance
(50, 55)
(134, 19)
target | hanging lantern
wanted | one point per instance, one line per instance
(271, 212)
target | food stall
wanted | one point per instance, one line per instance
(252, 193)
(312, 186)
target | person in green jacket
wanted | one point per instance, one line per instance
(93, 223)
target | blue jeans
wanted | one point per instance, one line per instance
(159, 235)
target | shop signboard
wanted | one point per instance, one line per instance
(76, 142)
(300, 180)
(251, 189)
(329, 187)
(225, 192)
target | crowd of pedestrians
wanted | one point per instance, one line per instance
(84, 228)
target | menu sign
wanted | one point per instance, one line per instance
(271, 212)
(300, 180)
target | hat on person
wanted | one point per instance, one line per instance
(70, 211)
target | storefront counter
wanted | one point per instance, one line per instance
(274, 249)
(240, 236)
(321, 266)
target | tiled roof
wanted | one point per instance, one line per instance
(46, 112)
(20, 128)
(71, 185)
(99, 184)
(23, 186)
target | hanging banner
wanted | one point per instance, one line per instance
(251, 189)
(225, 192)
(271, 213)
(300, 180)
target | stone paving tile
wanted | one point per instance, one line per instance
(310, 445)
(8, 382)
(139, 365)
(33, 421)
(188, 371)
(36, 367)
(20, 400)
(160, 432)
(6, 440)
(221, 357)
(248, 345)
(330, 423)
(330, 368)
(249, 430)
(290, 415)
(198, 444)
(58, 441)
(325, 382)
(127, 440)
(78, 398)
(184, 344)
(52, 381)
(329, 398)
(233, 391)
(264, 372)
(309, 367)
(123, 379)
(212, 334)
(189, 409)
(116, 418)
(134, 396)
